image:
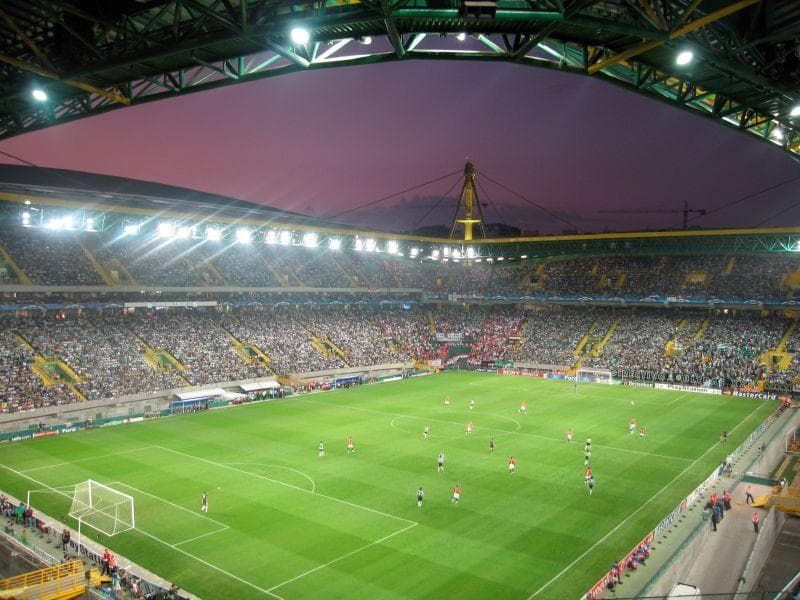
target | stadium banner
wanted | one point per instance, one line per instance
(754, 393)
(523, 373)
(688, 388)
(157, 305)
(450, 337)
(641, 384)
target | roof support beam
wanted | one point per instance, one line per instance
(391, 29)
(71, 82)
(680, 32)
(28, 41)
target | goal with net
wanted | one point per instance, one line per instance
(594, 376)
(102, 508)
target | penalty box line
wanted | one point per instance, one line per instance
(157, 539)
(411, 524)
(635, 512)
(222, 526)
(80, 460)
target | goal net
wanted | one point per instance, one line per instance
(595, 376)
(102, 508)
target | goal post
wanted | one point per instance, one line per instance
(594, 376)
(102, 508)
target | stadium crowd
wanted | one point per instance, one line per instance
(112, 354)
(51, 257)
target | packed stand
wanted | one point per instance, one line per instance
(50, 257)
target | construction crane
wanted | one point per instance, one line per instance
(686, 211)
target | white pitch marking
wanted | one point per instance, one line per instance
(313, 484)
(283, 483)
(150, 535)
(99, 456)
(626, 519)
(343, 556)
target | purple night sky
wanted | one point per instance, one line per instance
(322, 142)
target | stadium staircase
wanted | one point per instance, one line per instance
(783, 500)
(159, 359)
(598, 347)
(701, 330)
(669, 347)
(101, 270)
(251, 353)
(779, 357)
(115, 264)
(345, 272)
(192, 268)
(620, 281)
(209, 265)
(60, 582)
(334, 348)
(585, 339)
(431, 324)
(21, 275)
(52, 371)
(729, 267)
(271, 269)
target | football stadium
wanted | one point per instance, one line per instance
(203, 396)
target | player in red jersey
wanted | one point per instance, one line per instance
(588, 475)
(350, 446)
(512, 465)
(456, 494)
(523, 407)
(569, 435)
(447, 401)
(469, 428)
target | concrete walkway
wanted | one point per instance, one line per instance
(726, 551)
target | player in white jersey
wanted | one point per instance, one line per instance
(425, 432)
(321, 449)
(204, 502)
(440, 462)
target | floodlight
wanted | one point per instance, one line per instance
(446, 251)
(285, 237)
(243, 235)
(213, 234)
(435, 254)
(366, 40)
(271, 237)
(414, 252)
(27, 202)
(456, 253)
(370, 245)
(524, 256)
(26, 215)
(392, 247)
(300, 36)
(461, 36)
(795, 112)
(500, 258)
(39, 95)
(358, 245)
(777, 134)
(183, 232)
(90, 224)
(470, 252)
(310, 239)
(334, 243)
(165, 229)
(68, 222)
(684, 58)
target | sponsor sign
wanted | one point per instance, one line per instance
(449, 337)
(687, 388)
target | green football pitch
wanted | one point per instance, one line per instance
(284, 522)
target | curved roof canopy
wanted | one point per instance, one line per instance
(85, 57)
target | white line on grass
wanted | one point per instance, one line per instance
(628, 518)
(313, 484)
(495, 430)
(222, 526)
(150, 535)
(283, 483)
(99, 456)
(342, 557)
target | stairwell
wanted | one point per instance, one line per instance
(158, 358)
(51, 371)
(598, 348)
(701, 330)
(21, 275)
(104, 275)
(669, 347)
(585, 339)
(345, 272)
(250, 353)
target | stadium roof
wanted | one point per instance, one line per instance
(132, 195)
(91, 57)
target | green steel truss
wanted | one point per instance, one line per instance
(93, 57)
